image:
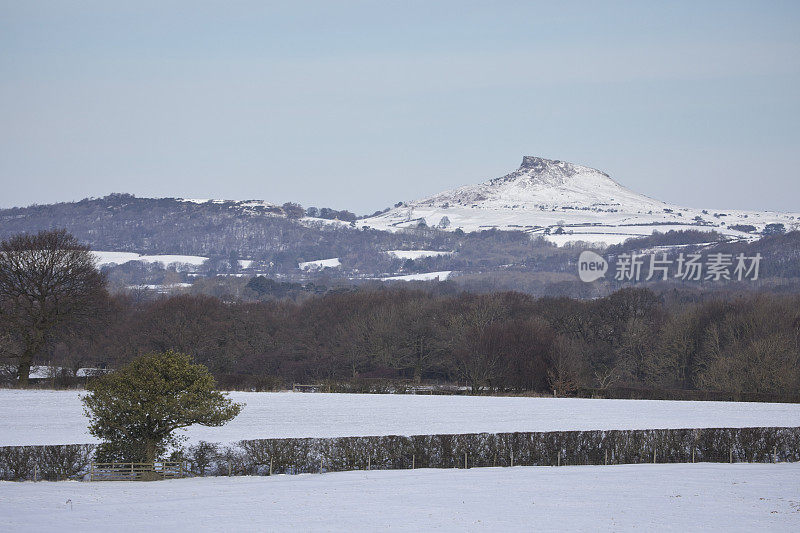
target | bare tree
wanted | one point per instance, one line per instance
(47, 281)
(476, 356)
(568, 371)
(416, 335)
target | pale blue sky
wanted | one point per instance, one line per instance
(358, 105)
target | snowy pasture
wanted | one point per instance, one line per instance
(319, 264)
(416, 254)
(29, 417)
(664, 497)
(442, 275)
(120, 258)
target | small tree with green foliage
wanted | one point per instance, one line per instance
(137, 409)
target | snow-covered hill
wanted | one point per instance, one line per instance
(567, 202)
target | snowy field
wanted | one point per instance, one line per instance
(442, 275)
(676, 497)
(319, 264)
(56, 417)
(120, 258)
(416, 254)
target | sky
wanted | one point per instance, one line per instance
(358, 105)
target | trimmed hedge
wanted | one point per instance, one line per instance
(295, 456)
(52, 463)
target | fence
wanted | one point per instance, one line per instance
(556, 448)
(136, 471)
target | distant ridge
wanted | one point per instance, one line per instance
(561, 201)
(566, 201)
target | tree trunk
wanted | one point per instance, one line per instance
(474, 385)
(34, 344)
(150, 451)
(150, 457)
(24, 368)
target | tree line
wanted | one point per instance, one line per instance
(491, 342)
(54, 309)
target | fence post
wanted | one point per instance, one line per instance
(465, 460)
(320, 465)
(230, 470)
(413, 462)
(512, 457)
(774, 454)
(693, 453)
(606, 459)
(558, 458)
(654, 455)
(731, 454)
(369, 461)
(35, 468)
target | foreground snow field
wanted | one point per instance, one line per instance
(56, 417)
(677, 497)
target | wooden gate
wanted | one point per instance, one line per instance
(136, 471)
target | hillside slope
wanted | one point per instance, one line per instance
(567, 202)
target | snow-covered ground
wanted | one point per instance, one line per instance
(313, 221)
(166, 288)
(45, 372)
(416, 254)
(320, 264)
(56, 417)
(120, 258)
(664, 497)
(201, 200)
(605, 239)
(424, 276)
